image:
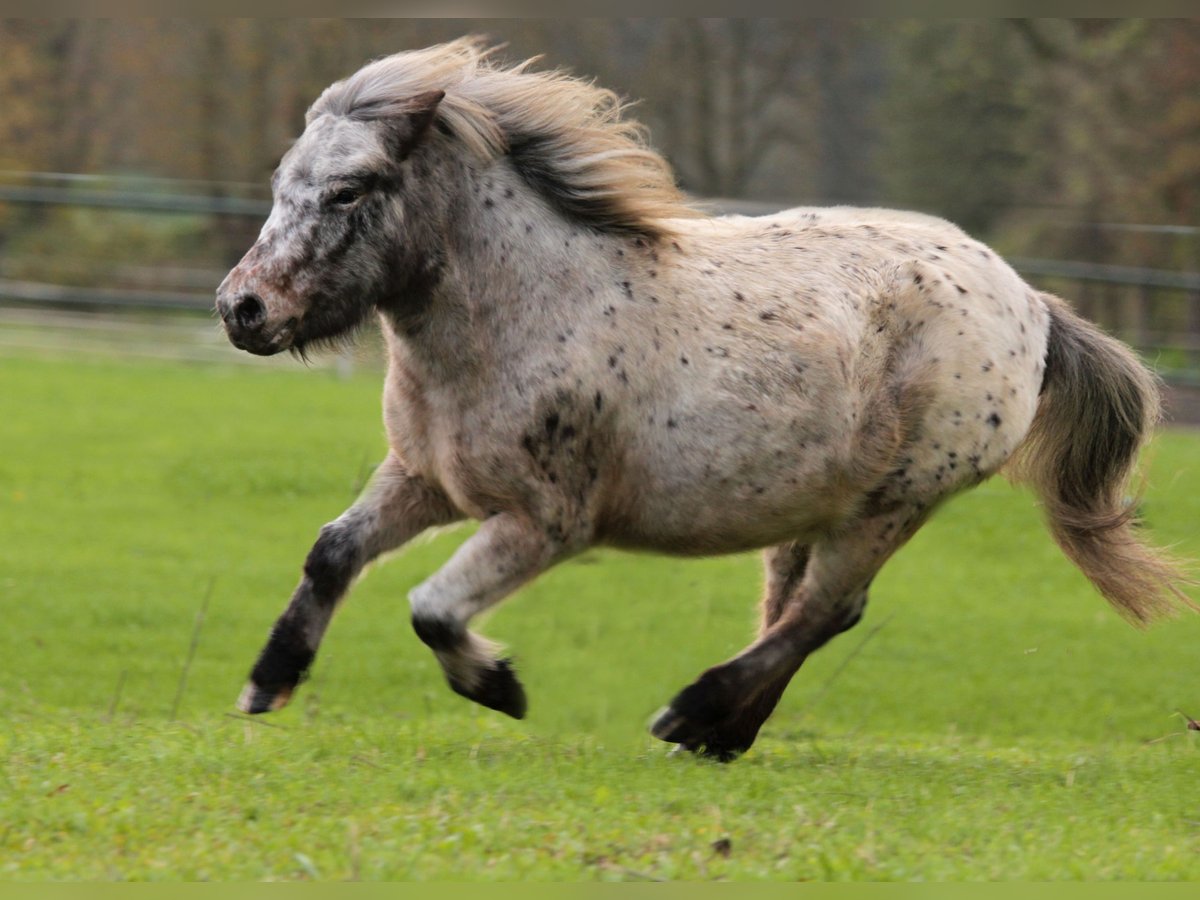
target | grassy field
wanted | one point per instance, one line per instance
(990, 719)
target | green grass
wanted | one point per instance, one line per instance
(990, 719)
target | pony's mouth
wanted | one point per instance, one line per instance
(264, 342)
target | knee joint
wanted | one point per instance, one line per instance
(333, 560)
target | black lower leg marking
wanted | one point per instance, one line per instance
(289, 652)
(438, 634)
(489, 682)
(696, 709)
(283, 664)
(332, 562)
(715, 719)
(496, 688)
(733, 737)
(719, 715)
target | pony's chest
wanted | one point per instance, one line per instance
(422, 426)
(474, 451)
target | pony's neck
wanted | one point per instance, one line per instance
(509, 266)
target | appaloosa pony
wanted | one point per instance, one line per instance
(577, 357)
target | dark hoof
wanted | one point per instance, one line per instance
(717, 751)
(283, 664)
(694, 718)
(712, 742)
(255, 700)
(710, 719)
(498, 689)
(696, 709)
(669, 726)
(724, 744)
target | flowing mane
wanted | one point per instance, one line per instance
(567, 137)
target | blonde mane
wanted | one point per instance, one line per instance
(566, 136)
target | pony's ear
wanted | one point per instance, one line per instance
(408, 124)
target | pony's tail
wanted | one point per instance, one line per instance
(1098, 406)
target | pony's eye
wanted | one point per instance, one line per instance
(345, 197)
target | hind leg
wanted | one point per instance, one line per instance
(784, 571)
(735, 736)
(821, 594)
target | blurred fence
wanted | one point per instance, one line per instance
(129, 265)
(119, 265)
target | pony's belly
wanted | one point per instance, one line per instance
(728, 515)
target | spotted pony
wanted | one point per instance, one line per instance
(578, 357)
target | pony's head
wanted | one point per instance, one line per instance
(353, 227)
(333, 246)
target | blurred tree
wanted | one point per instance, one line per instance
(778, 110)
(23, 111)
(850, 73)
(729, 93)
(969, 119)
(1175, 77)
(957, 119)
(48, 67)
(1113, 122)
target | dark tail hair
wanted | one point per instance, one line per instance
(1098, 406)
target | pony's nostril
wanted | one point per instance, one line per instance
(249, 311)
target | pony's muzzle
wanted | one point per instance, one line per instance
(245, 318)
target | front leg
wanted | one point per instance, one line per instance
(503, 554)
(395, 508)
